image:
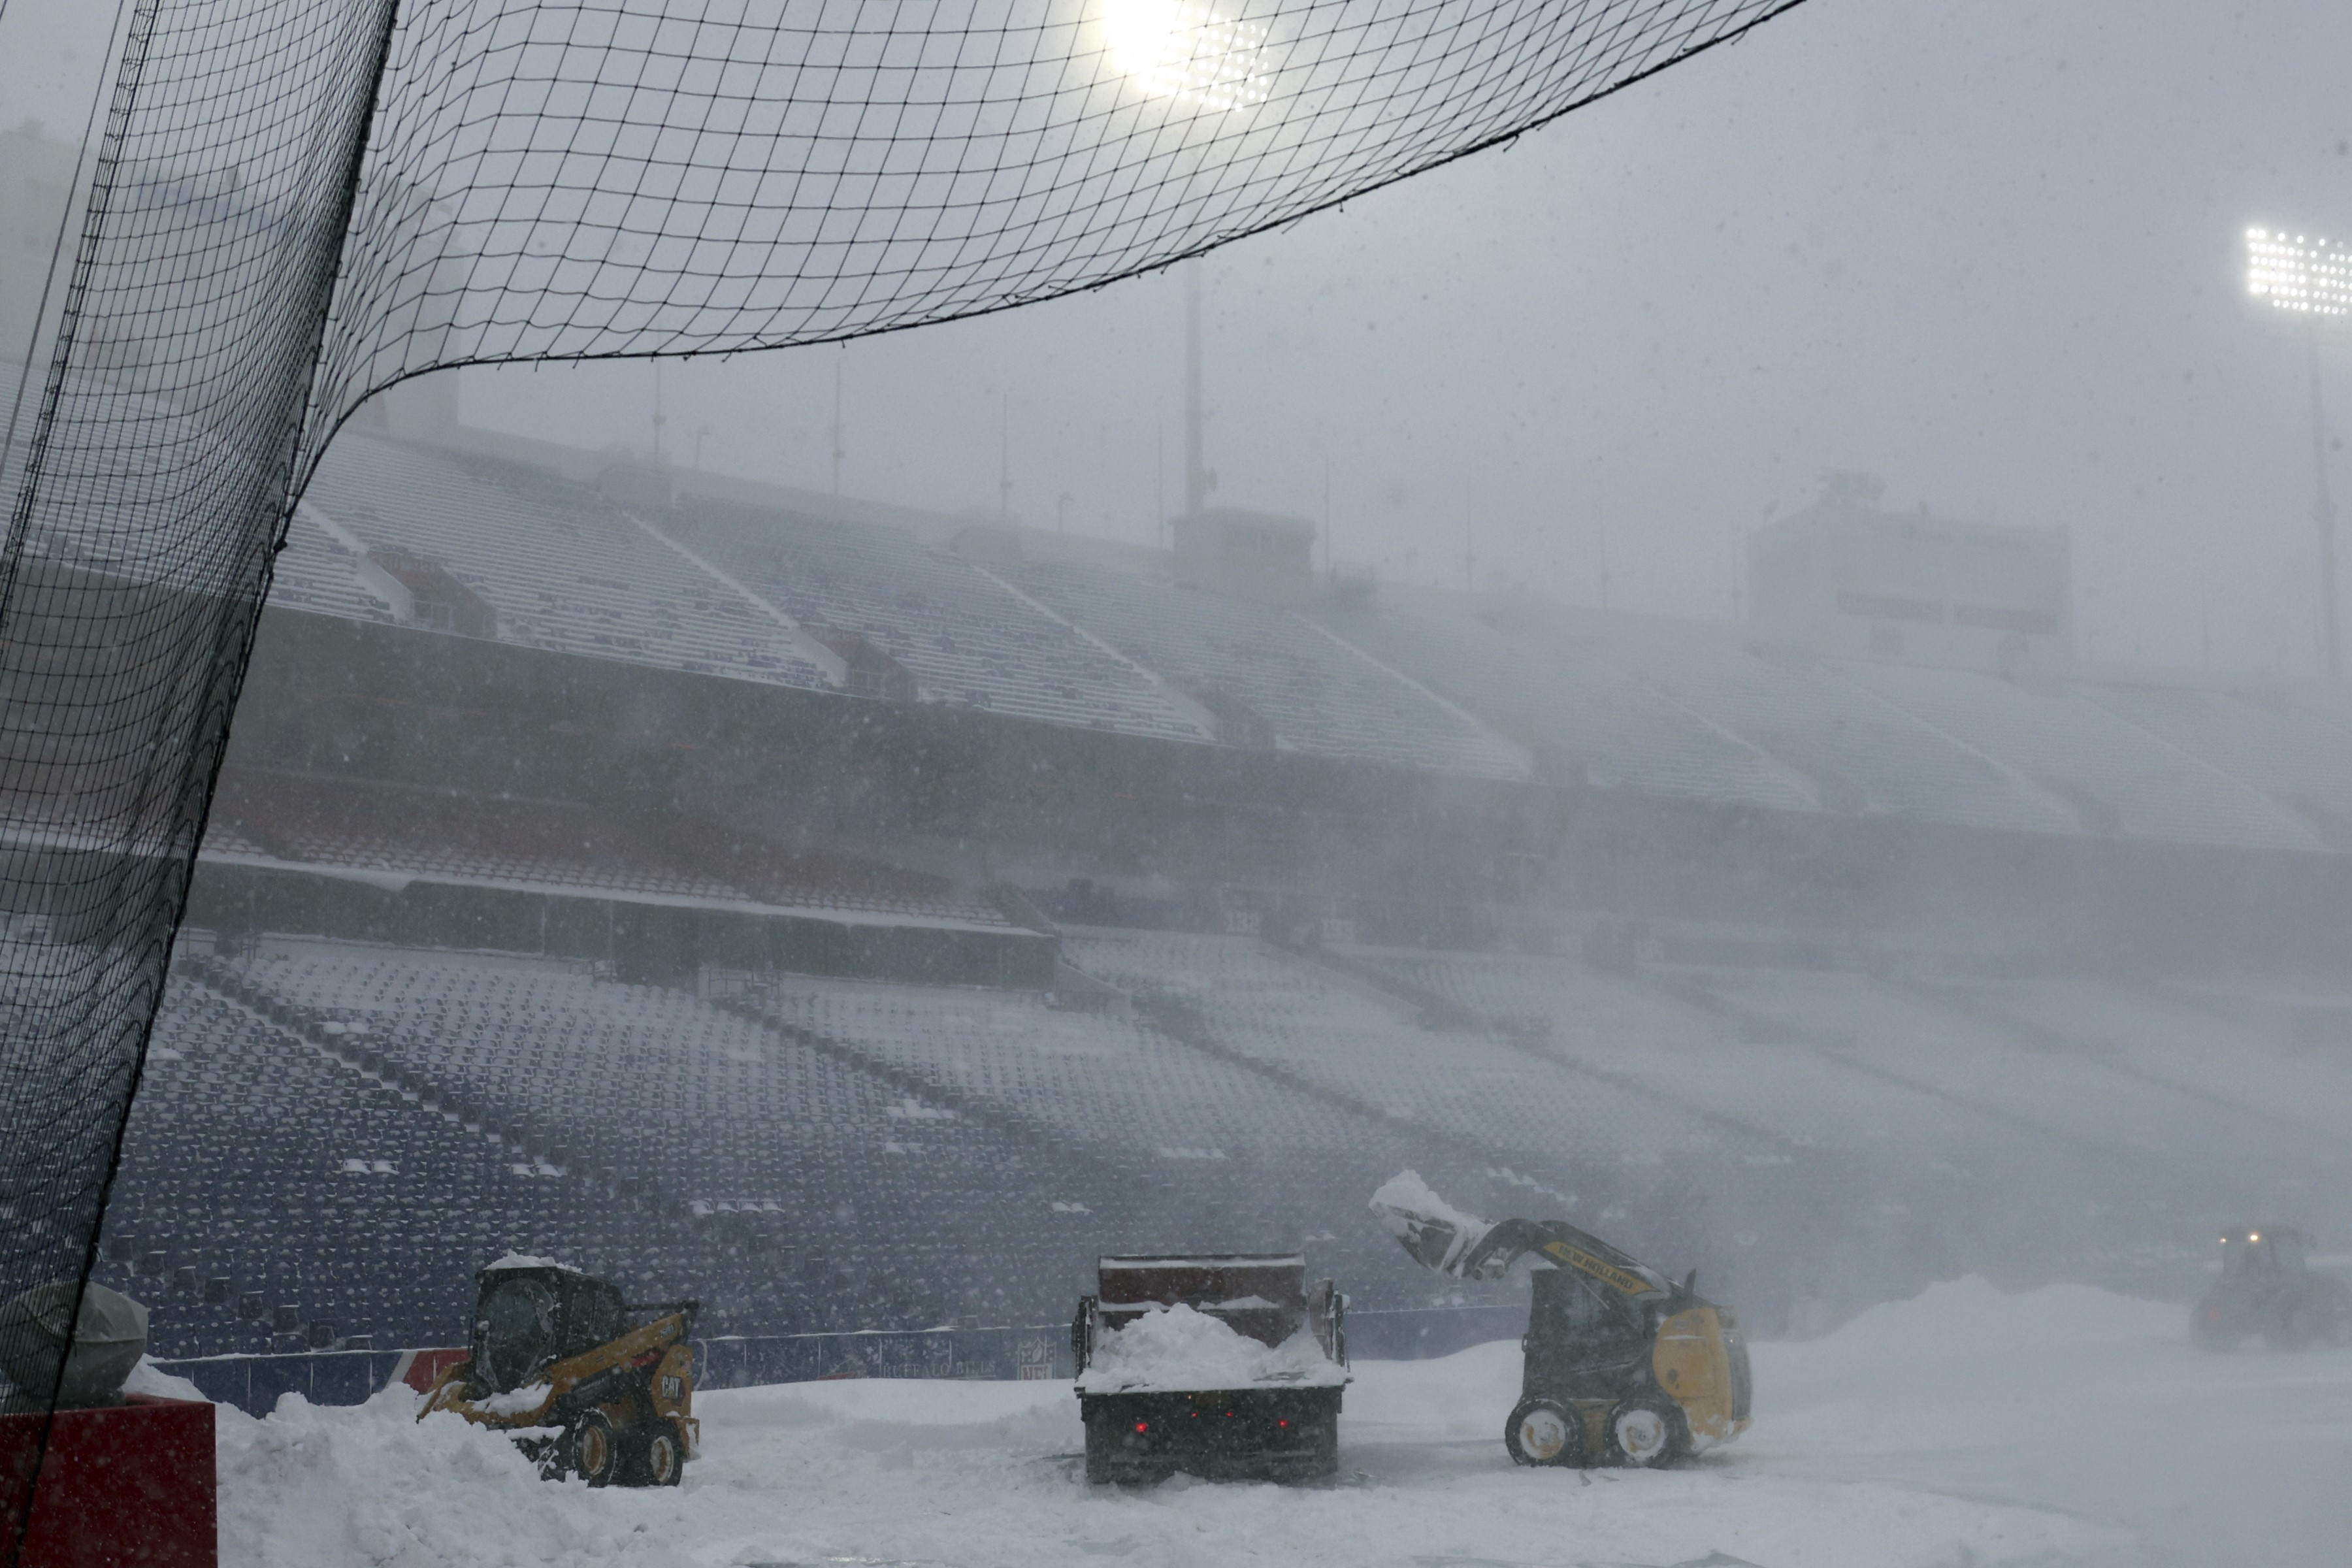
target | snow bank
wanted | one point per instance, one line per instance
(1179, 1349)
(1973, 1317)
(372, 1487)
(1963, 1426)
(156, 1383)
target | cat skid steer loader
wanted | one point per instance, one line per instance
(1623, 1365)
(557, 1362)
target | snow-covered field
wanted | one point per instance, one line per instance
(2064, 1426)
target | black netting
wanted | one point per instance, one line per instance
(296, 202)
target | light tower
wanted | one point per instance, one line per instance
(1198, 477)
(2312, 278)
(1206, 64)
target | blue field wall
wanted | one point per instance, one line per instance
(254, 1383)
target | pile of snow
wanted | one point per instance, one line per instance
(149, 1379)
(515, 1401)
(1973, 1317)
(1179, 1349)
(528, 1260)
(1964, 1427)
(372, 1487)
(1409, 1206)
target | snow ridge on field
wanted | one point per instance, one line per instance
(1180, 1348)
(2050, 1430)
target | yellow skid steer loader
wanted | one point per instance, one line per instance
(1623, 1365)
(557, 1362)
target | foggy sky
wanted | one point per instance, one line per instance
(1990, 252)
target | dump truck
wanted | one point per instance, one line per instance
(2268, 1287)
(560, 1362)
(1227, 1366)
(1621, 1365)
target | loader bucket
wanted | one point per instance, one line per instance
(1436, 1233)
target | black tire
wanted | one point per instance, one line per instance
(657, 1456)
(1544, 1432)
(1098, 1457)
(1647, 1434)
(2291, 1327)
(591, 1450)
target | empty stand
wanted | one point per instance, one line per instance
(1665, 708)
(272, 1198)
(1203, 1151)
(348, 1132)
(315, 572)
(2178, 1147)
(2253, 1054)
(559, 566)
(1600, 1022)
(2299, 756)
(2120, 777)
(965, 640)
(1566, 695)
(1264, 1005)
(1863, 753)
(1312, 692)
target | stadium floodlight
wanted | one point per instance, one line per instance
(2311, 278)
(2296, 273)
(1188, 50)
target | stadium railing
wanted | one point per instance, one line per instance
(254, 1383)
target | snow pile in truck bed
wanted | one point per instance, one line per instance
(1179, 1350)
(2061, 1428)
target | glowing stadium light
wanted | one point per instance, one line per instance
(2311, 278)
(2295, 272)
(1187, 51)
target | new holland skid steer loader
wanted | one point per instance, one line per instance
(557, 1362)
(1623, 1365)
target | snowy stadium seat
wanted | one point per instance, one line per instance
(1314, 693)
(963, 636)
(562, 568)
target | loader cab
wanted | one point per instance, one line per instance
(1584, 1339)
(2257, 1251)
(531, 1314)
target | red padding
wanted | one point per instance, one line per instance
(421, 1369)
(131, 1484)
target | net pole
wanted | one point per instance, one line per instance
(165, 869)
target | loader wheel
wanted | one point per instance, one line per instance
(2290, 1328)
(657, 1456)
(1647, 1433)
(591, 1450)
(1544, 1432)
